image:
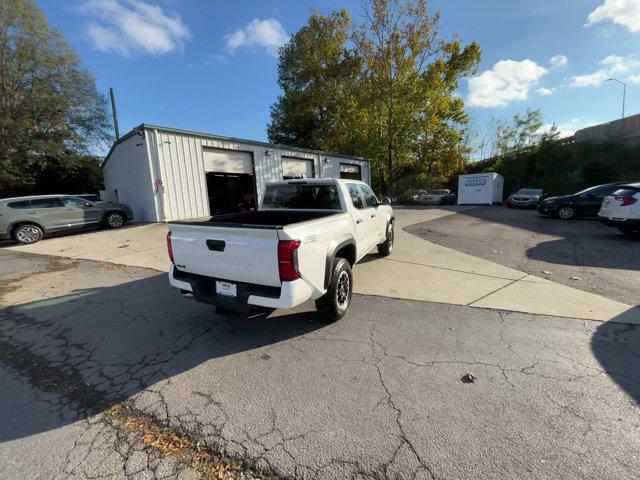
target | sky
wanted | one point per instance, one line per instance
(211, 65)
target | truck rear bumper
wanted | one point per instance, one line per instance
(203, 289)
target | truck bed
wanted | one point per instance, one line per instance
(260, 218)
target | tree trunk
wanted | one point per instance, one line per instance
(390, 169)
(390, 145)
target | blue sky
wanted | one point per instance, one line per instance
(210, 65)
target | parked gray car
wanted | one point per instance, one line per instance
(28, 219)
(525, 197)
(439, 196)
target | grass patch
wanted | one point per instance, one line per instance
(170, 442)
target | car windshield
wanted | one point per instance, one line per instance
(437, 192)
(529, 191)
(316, 197)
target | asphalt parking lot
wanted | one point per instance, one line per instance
(600, 259)
(379, 394)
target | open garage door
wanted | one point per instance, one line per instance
(231, 184)
(350, 171)
(297, 168)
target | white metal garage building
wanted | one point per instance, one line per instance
(169, 174)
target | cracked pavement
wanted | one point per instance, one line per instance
(377, 395)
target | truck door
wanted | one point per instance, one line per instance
(361, 225)
(377, 223)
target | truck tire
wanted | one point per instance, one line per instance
(386, 247)
(333, 305)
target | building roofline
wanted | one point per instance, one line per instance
(148, 126)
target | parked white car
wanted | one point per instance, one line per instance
(301, 244)
(622, 209)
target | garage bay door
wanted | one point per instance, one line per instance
(227, 161)
(297, 168)
(230, 181)
(350, 171)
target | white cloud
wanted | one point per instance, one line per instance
(267, 34)
(622, 12)
(544, 91)
(589, 80)
(612, 65)
(507, 81)
(558, 61)
(127, 27)
(634, 79)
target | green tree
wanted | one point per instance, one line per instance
(522, 132)
(383, 89)
(317, 74)
(49, 104)
(410, 76)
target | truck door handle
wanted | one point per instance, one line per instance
(33, 213)
(359, 220)
(373, 215)
(216, 245)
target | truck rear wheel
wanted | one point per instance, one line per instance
(333, 305)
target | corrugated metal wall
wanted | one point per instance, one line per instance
(178, 160)
(129, 172)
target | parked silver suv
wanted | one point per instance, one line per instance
(28, 219)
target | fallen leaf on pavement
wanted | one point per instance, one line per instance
(575, 278)
(469, 378)
(547, 272)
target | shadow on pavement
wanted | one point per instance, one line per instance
(618, 252)
(578, 242)
(617, 347)
(97, 346)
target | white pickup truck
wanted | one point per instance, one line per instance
(302, 244)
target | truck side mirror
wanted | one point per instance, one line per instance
(385, 201)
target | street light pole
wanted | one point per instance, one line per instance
(624, 92)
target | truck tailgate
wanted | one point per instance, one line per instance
(238, 254)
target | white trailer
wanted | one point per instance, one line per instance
(480, 189)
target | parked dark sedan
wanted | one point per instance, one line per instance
(525, 197)
(585, 203)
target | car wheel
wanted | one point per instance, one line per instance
(385, 248)
(334, 304)
(115, 220)
(566, 213)
(27, 233)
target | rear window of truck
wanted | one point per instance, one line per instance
(309, 197)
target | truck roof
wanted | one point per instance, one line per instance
(311, 181)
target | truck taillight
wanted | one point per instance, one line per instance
(626, 200)
(288, 260)
(169, 249)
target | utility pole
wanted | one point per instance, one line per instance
(624, 92)
(115, 113)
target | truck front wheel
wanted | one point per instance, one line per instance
(334, 304)
(385, 248)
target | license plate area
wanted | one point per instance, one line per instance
(227, 289)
